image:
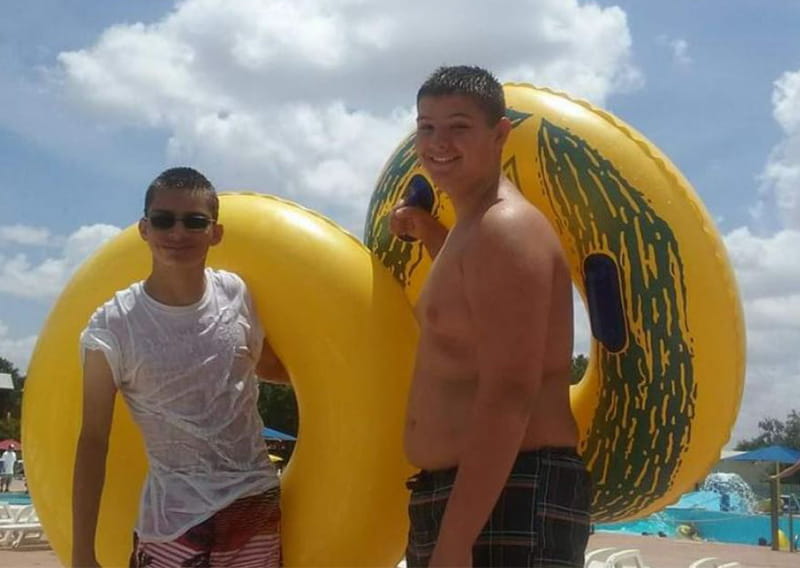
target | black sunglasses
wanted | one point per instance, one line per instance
(192, 222)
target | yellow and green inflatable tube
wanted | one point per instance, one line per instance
(666, 366)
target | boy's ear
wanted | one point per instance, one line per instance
(503, 130)
(217, 232)
(143, 228)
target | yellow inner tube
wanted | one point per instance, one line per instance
(346, 333)
(666, 366)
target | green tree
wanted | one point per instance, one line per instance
(775, 432)
(579, 365)
(10, 402)
(278, 407)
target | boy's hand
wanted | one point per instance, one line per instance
(408, 222)
(413, 214)
(269, 367)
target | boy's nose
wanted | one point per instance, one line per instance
(177, 230)
(440, 138)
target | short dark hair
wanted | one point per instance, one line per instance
(471, 81)
(183, 179)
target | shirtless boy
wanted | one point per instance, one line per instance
(489, 422)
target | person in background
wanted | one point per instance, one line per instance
(9, 459)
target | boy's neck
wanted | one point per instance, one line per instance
(468, 201)
(182, 286)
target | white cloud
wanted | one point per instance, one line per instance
(781, 176)
(768, 274)
(22, 277)
(786, 102)
(307, 99)
(678, 48)
(680, 51)
(583, 328)
(768, 271)
(24, 235)
(766, 267)
(16, 350)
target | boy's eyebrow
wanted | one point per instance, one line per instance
(453, 115)
(173, 212)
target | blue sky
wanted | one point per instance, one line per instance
(307, 99)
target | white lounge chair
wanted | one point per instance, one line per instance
(708, 562)
(23, 526)
(631, 557)
(713, 562)
(617, 559)
(597, 555)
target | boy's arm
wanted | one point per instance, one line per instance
(508, 282)
(269, 367)
(90, 459)
(417, 223)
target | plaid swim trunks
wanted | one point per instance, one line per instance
(541, 518)
(244, 534)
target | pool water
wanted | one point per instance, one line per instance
(710, 525)
(16, 498)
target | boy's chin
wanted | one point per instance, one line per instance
(176, 261)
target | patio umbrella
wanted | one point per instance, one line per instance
(272, 434)
(8, 443)
(776, 454)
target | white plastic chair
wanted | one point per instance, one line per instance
(614, 558)
(597, 558)
(708, 562)
(23, 526)
(630, 557)
(713, 562)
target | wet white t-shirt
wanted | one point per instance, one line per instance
(187, 374)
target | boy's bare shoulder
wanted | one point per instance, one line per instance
(514, 225)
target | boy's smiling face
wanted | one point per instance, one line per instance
(455, 142)
(179, 245)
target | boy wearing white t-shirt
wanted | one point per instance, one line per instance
(8, 461)
(182, 348)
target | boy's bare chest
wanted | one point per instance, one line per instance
(442, 308)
